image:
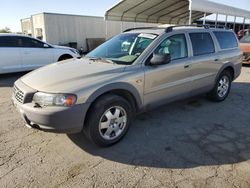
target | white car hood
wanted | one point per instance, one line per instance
(62, 47)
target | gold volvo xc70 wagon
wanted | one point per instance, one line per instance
(136, 70)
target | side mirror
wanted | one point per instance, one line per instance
(46, 46)
(160, 59)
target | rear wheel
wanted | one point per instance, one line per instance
(108, 120)
(222, 87)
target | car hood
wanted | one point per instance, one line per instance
(61, 47)
(71, 75)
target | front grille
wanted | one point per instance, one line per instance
(18, 94)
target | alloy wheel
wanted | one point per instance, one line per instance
(223, 86)
(113, 123)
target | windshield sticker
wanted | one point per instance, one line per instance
(147, 35)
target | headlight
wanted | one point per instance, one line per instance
(47, 99)
(74, 51)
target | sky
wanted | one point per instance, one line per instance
(11, 11)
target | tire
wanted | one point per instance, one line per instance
(108, 120)
(222, 87)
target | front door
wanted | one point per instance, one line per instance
(172, 80)
(10, 55)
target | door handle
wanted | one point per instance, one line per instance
(216, 59)
(186, 66)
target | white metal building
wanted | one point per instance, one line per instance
(62, 29)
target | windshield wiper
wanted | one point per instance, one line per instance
(100, 59)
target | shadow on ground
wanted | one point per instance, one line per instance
(7, 80)
(246, 65)
(186, 134)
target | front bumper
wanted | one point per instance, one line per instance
(51, 119)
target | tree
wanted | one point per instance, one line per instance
(5, 30)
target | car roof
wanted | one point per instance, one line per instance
(13, 35)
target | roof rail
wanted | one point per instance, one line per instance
(137, 28)
(206, 26)
(170, 28)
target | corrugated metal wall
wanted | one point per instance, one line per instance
(26, 26)
(37, 23)
(60, 29)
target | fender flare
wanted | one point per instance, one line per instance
(116, 86)
(224, 66)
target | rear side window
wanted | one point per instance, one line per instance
(30, 43)
(8, 41)
(226, 39)
(202, 43)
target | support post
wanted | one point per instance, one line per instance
(216, 20)
(234, 22)
(190, 17)
(244, 21)
(204, 19)
(190, 12)
(226, 20)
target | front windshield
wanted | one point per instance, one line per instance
(245, 39)
(124, 48)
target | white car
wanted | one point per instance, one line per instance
(23, 53)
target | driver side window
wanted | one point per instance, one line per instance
(175, 45)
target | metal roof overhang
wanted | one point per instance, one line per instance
(168, 11)
(211, 7)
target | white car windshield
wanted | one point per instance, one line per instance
(124, 48)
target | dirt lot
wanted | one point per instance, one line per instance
(192, 143)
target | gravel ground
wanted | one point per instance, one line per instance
(192, 143)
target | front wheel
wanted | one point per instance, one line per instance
(108, 120)
(222, 87)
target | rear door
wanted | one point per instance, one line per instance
(169, 81)
(228, 47)
(10, 56)
(34, 53)
(204, 66)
